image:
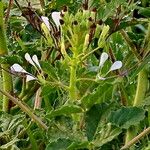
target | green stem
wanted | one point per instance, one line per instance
(7, 79)
(72, 86)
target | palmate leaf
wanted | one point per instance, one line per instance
(65, 110)
(126, 117)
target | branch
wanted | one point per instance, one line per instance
(136, 139)
(26, 109)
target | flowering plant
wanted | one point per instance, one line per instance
(74, 74)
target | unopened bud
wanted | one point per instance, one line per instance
(64, 8)
(45, 29)
(86, 42)
(93, 26)
(75, 22)
(99, 22)
(101, 41)
(90, 19)
(61, 21)
(94, 9)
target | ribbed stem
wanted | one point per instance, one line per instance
(72, 87)
(6, 77)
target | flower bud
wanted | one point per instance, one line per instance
(86, 42)
(101, 41)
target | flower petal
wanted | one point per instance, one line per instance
(46, 21)
(116, 65)
(35, 59)
(103, 58)
(56, 17)
(17, 68)
(30, 78)
(28, 58)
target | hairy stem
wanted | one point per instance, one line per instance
(6, 77)
(72, 86)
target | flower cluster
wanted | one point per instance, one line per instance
(115, 66)
(33, 61)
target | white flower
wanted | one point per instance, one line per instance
(30, 78)
(28, 58)
(56, 16)
(46, 21)
(103, 58)
(116, 65)
(33, 61)
(17, 68)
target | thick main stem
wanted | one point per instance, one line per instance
(6, 77)
(72, 87)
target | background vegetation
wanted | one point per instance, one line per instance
(91, 86)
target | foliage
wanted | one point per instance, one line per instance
(82, 79)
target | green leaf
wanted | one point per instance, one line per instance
(106, 134)
(92, 119)
(49, 69)
(65, 110)
(145, 11)
(139, 68)
(101, 94)
(126, 117)
(60, 144)
(47, 90)
(78, 145)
